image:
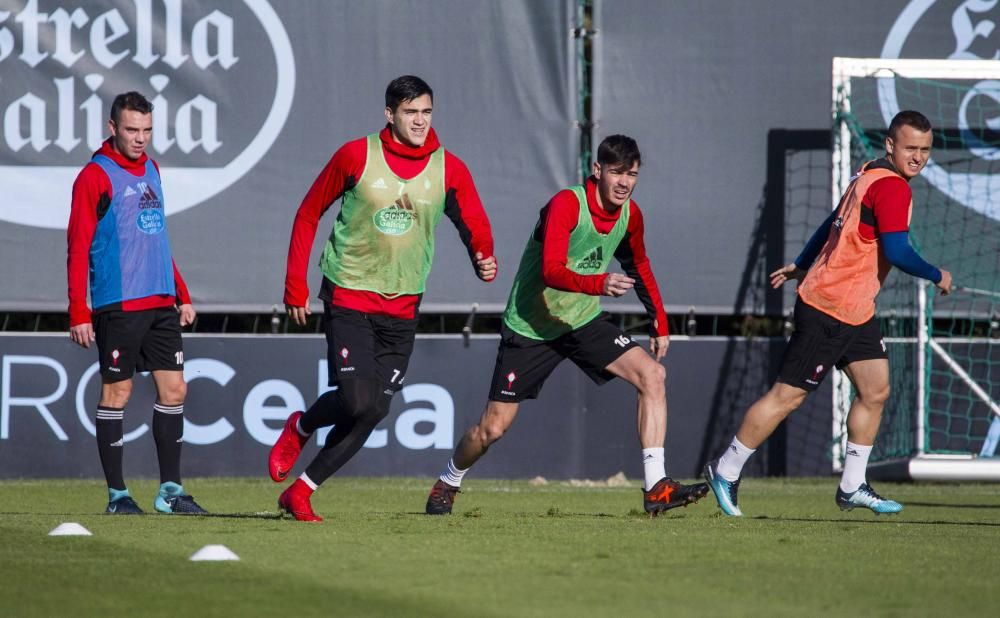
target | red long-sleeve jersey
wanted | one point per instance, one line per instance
(462, 206)
(559, 218)
(91, 197)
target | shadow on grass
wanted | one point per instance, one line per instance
(260, 515)
(480, 513)
(943, 505)
(885, 520)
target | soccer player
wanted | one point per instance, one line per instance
(117, 231)
(395, 185)
(554, 313)
(842, 268)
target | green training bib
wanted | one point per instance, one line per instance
(383, 238)
(537, 311)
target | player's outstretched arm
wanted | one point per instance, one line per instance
(897, 249)
(786, 273)
(815, 244)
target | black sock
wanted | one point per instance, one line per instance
(168, 431)
(110, 430)
(325, 411)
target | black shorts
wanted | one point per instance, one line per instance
(130, 341)
(523, 364)
(361, 345)
(820, 342)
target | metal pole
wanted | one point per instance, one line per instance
(923, 336)
(840, 178)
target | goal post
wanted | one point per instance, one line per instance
(944, 351)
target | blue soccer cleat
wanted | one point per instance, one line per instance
(121, 503)
(866, 497)
(172, 499)
(725, 491)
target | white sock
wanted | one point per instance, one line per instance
(855, 464)
(308, 481)
(298, 428)
(452, 474)
(653, 466)
(731, 463)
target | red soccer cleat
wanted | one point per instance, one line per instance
(295, 502)
(285, 451)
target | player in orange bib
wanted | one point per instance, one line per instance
(842, 269)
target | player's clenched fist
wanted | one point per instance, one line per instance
(945, 283)
(486, 268)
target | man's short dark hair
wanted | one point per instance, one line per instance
(909, 118)
(130, 100)
(618, 151)
(406, 88)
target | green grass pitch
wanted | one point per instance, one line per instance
(510, 549)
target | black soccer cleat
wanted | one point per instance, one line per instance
(442, 498)
(181, 504)
(123, 506)
(668, 494)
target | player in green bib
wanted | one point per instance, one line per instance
(554, 313)
(395, 187)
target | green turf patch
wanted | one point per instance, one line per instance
(511, 548)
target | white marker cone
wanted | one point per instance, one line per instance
(70, 528)
(214, 552)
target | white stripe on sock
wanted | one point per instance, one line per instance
(298, 428)
(112, 415)
(453, 474)
(168, 409)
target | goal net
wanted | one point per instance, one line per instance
(942, 420)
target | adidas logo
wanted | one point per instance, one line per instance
(147, 197)
(404, 204)
(379, 184)
(592, 261)
(129, 191)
